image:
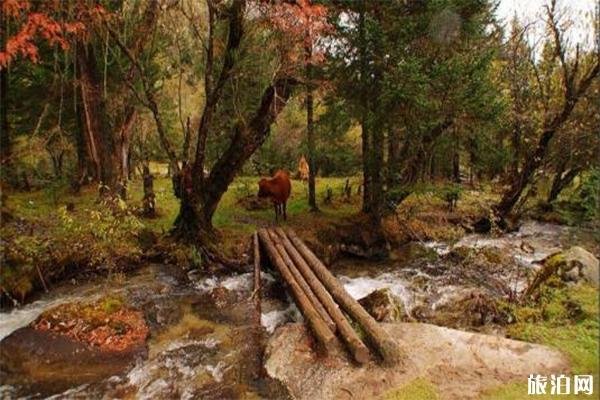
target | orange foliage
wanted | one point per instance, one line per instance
(301, 24)
(33, 26)
(90, 324)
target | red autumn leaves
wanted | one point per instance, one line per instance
(96, 325)
(302, 24)
(34, 26)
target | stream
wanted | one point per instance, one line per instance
(203, 340)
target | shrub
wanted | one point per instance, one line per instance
(589, 194)
(450, 194)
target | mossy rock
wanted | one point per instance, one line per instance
(460, 253)
(575, 264)
(383, 305)
(414, 251)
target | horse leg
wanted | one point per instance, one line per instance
(284, 206)
(276, 211)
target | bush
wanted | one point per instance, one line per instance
(450, 194)
(589, 194)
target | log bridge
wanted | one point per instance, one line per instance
(328, 309)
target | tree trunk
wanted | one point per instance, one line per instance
(99, 138)
(149, 201)
(534, 160)
(377, 150)
(85, 165)
(123, 143)
(414, 166)
(385, 344)
(310, 134)
(532, 163)
(456, 160)
(4, 126)
(561, 181)
(353, 342)
(199, 203)
(364, 118)
(301, 281)
(321, 331)
(516, 144)
(393, 161)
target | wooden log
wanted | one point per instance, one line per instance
(324, 336)
(301, 281)
(386, 346)
(256, 292)
(359, 351)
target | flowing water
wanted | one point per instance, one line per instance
(433, 283)
(204, 341)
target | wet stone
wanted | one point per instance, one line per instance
(42, 361)
(383, 306)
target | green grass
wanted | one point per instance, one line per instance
(419, 389)
(91, 236)
(578, 338)
(43, 204)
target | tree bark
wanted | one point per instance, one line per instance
(364, 117)
(317, 325)
(534, 160)
(310, 134)
(353, 342)
(99, 136)
(393, 161)
(561, 181)
(308, 291)
(85, 165)
(4, 126)
(415, 166)
(123, 143)
(5, 150)
(386, 346)
(200, 203)
(377, 150)
(149, 200)
(456, 160)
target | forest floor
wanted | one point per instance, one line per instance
(56, 236)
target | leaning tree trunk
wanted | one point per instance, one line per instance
(561, 181)
(535, 160)
(198, 202)
(573, 92)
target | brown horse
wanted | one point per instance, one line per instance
(278, 188)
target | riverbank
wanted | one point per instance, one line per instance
(204, 342)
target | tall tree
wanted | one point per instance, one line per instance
(577, 74)
(304, 25)
(108, 130)
(32, 24)
(199, 185)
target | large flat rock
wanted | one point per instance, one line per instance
(46, 362)
(461, 364)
